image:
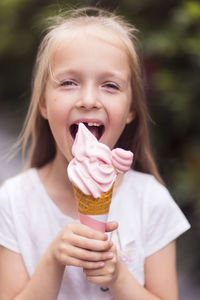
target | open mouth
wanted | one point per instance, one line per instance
(96, 129)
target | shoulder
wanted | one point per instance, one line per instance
(17, 187)
(144, 187)
(153, 197)
(148, 200)
(19, 197)
(18, 179)
(140, 178)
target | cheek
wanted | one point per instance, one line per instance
(120, 113)
(57, 122)
(56, 112)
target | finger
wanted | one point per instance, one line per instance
(99, 279)
(86, 264)
(109, 268)
(71, 261)
(88, 232)
(89, 244)
(111, 226)
(94, 272)
(86, 255)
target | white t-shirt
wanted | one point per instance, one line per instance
(147, 215)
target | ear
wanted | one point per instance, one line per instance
(131, 116)
(43, 109)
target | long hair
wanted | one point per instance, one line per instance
(36, 137)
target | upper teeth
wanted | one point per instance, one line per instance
(93, 124)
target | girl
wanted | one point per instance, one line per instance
(87, 71)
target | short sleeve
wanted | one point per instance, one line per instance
(163, 219)
(7, 227)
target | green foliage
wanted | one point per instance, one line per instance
(174, 49)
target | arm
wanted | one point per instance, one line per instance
(76, 245)
(160, 270)
(15, 280)
(11, 267)
(160, 277)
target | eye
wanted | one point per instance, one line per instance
(68, 83)
(111, 86)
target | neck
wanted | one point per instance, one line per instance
(56, 172)
(56, 182)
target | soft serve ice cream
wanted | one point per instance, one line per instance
(93, 171)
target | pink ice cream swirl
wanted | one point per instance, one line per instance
(94, 167)
(121, 159)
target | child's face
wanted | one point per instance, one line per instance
(92, 86)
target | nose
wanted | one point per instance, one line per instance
(89, 98)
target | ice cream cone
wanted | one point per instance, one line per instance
(92, 170)
(93, 211)
(89, 205)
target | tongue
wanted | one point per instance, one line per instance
(94, 131)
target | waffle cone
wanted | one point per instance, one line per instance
(89, 205)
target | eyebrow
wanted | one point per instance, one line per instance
(113, 74)
(65, 72)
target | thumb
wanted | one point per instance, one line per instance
(111, 226)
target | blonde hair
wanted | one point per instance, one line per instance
(36, 129)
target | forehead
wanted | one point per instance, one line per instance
(92, 43)
(95, 31)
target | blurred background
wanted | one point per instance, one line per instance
(170, 47)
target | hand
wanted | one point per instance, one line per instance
(79, 245)
(107, 274)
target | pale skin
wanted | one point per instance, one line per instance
(89, 88)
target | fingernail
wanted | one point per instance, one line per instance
(110, 255)
(101, 264)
